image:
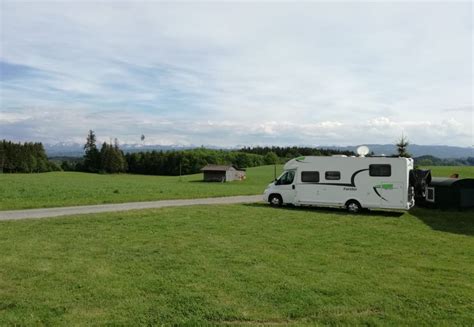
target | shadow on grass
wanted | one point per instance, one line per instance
(215, 182)
(450, 221)
(212, 182)
(389, 214)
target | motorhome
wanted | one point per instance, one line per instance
(348, 182)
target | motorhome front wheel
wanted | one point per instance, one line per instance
(275, 200)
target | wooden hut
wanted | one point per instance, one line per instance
(222, 173)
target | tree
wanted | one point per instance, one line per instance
(120, 157)
(2, 156)
(92, 155)
(270, 158)
(23, 158)
(112, 159)
(402, 146)
(66, 166)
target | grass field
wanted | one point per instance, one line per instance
(239, 264)
(22, 191)
(446, 171)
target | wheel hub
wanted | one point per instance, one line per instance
(353, 207)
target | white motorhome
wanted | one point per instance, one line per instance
(340, 181)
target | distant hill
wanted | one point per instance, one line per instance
(434, 161)
(64, 150)
(440, 151)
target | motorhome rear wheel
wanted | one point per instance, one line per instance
(353, 206)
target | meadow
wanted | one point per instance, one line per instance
(446, 171)
(57, 189)
(239, 265)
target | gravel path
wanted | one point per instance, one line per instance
(66, 211)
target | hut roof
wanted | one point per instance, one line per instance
(217, 168)
(220, 168)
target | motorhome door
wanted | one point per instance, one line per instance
(286, 187)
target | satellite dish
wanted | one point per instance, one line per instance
(362, 151)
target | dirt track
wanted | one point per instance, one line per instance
(66, 211)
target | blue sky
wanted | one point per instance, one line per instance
(237, 73)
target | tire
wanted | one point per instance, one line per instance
(275, 200)
(353, 206)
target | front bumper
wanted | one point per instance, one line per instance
(265, 196)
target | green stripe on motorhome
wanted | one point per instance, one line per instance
(385, 186)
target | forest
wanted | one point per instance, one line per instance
(25, 157)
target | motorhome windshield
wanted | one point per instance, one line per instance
(286, 178)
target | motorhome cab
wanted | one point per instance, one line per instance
(341, 181)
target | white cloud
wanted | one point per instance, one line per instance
(281, 73)
(12, 117)
(48, 124)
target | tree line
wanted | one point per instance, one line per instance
(188, 161)
(434, 161)
(289, 152)
(111, 159)
(25, 157)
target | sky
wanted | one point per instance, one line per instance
(230, 74)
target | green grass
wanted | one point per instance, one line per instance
(22, 191)
(58, 189)
(239, 264)
(446, 171)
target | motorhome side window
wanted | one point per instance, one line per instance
(332, 175)
(287, 178)
(380, 170)
(310, 176)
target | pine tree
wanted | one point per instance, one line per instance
(402, 146)
(104, 157)
(121, 165)
(92, 155)
(2, 156)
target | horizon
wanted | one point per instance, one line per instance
(438, 151)
(238, 146)
(225, 74)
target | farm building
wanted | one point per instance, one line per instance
(222, 173)
(448, 193)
